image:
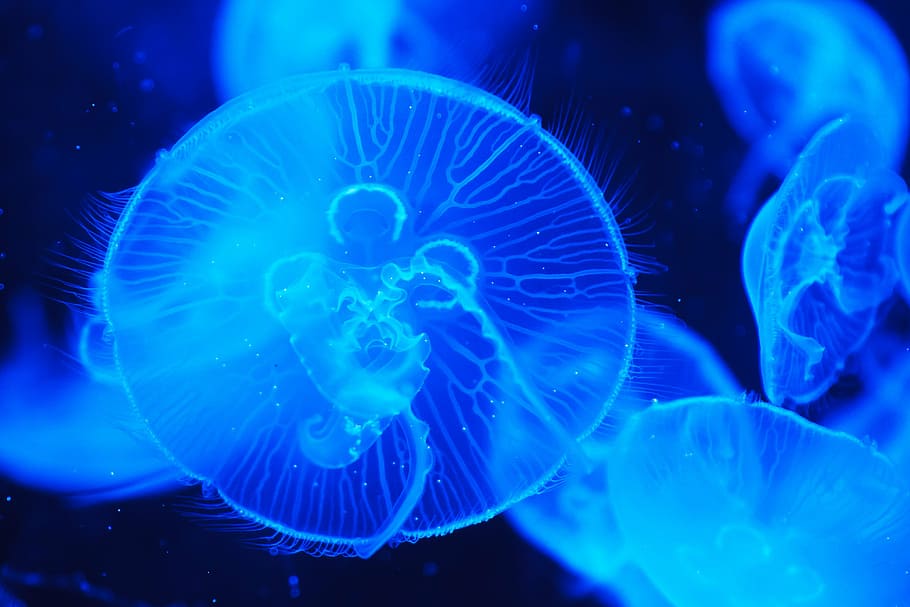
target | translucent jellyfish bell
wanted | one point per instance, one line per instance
(817, 262)
(261, 41)
(338, 301)
(573, 521)
(783, 68)
(733, 504)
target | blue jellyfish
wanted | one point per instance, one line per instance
(573, 522)
(366, 306)
(816, 262)
(257, 42)
(783, 68)
(729, 503)
(67, 427)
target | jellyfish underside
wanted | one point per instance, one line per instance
(817, 262)
(832, 259)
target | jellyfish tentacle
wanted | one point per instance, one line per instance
(420, 460)
(366, 363)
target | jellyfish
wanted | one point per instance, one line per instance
(817, 263)
(784, 68)
(338, 299)
(66, 424)
(724, 502)
(259, 42)
(573, 521)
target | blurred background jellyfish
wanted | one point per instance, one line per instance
(783, 68)
(816, 262)
(257, 42)
(902, 250)
(573, 521)
(337, 301)
(734, 504)
(8, 600)
(66, 424)
(879, 413)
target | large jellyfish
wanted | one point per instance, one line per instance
(340, 300)
(66, 424)
(783, 68)
(728, 503)
(261, 41)
(817, 261)
(573, 522)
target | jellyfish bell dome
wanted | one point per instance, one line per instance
(794, 65)
(260, 41)
(338, 301)
(784, 68)
(777, 510)
(817, 261)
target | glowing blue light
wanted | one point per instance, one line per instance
(816, 262)
(734, 504)
(367, 306)
(64, 429)
(783, 68)
(261, 41)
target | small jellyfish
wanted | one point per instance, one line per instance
(733, 504)
(573, 521)
(817, 262)
(261, 41)
(337, 301)
(68, 427)
(783, 68)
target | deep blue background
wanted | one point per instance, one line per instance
(90, 89)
